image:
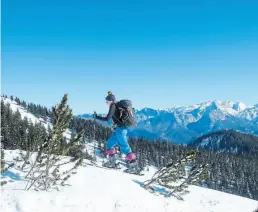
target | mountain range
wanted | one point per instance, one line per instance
(185, 124)
(228, 141)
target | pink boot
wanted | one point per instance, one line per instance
(130, 157)
(132, 165)
(111, 161)
(111, 151)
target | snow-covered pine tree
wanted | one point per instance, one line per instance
(2, 157)
(17, 100)
(35, 136)
(45, 172)
(6, 124)
(62, 116)
(176, 178)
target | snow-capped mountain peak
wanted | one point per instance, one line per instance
(239, 106)
(184, 123)
(181, 124)
(228, 107)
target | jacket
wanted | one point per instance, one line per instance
(113, 114)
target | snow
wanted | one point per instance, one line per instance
(250, 113)
(239, 106)
(14, 106)
(204, 142)
(218, 110)
(33, 119)
(100, 190)
(212, 141)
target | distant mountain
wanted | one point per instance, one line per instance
(228, 141)
(185, 124)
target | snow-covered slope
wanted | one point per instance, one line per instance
(96, 190)
(24, 113)
(33, 119)
(250, 113)
(227, 141)
(183, 124)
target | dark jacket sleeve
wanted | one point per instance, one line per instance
(110, 114)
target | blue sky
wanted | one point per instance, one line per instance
(157, 53)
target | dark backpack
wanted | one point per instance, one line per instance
(127, 116)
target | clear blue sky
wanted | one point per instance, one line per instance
(156, 53)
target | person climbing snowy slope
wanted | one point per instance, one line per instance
(123, 116)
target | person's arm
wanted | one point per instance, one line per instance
(110, 114)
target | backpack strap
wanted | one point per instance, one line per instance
(119, 109)
(114, 116)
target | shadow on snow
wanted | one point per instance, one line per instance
(11, 175)
(157, 189)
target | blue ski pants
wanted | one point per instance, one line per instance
(119, 138)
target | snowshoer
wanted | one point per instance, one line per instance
(119, 136)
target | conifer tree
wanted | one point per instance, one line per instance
(45, 172)
(2, 158)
